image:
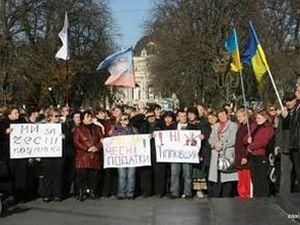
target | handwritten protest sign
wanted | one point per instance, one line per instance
(126, 151)
(177, 146)
(29, 140)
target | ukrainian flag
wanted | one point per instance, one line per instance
(232, 47)
(254, 54)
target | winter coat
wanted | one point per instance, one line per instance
(227, 139)
(83, 140)
(261, 138)
(240, 147)
(282, 135)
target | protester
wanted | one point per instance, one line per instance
(17, 168)
(87, 142)
(185, 168)
(152, 178)
(110, 175)
(222, 141)
(261, 134)
(282, 144)
(295, 140)
(126, 184)
(53, 167)
(241, 153)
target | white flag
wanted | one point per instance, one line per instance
(64, 51)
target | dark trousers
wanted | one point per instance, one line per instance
(285, 174)
(109, 182)
(225, 189)
(295, 156)
(259, 169)
(19, 174)
(52, 170)
(159, 176)
(69, 176)
(87, 178)
(146, 180)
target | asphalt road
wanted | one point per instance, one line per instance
(275, 211)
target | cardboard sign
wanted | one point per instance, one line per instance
(28, 140)
(177, 146)
(127, 151)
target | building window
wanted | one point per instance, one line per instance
(137, 92)
(151, 95)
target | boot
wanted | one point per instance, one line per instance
(81, 195)
(92, 194)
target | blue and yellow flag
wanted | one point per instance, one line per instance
(231, 45)
(254, 54)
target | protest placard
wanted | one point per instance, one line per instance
(29, 140)
(177, 146)
(127, 151)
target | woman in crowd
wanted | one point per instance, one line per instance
(53, 167)
(222, 141)
(126, 184)
(241, 162)
(110, 175)
(16, 180)
(261, 134)
(87, 142)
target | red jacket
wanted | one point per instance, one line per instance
(82, 141)
(261, 137)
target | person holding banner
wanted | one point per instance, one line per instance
(16, 180)
(222, 141)
(110, 175)
(53, 167)
(87, 141)
(186, 168)
(126, 184)
(152, 178)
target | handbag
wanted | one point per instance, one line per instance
(225, 164)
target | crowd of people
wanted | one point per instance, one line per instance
(246, 152)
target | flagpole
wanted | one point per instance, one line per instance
(275, 88)
(67, 79)
(242, 84)
(245, 103)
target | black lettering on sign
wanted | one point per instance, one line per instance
(27, 140)
(17, 140)
(49, 131)
(33, 128)
(37, 140)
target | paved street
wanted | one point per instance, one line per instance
(275, 211)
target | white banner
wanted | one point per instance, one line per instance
(28, 140)
(177, 146)
(127, 151)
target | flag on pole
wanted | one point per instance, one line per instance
(64, 51)
(232, 47)
(120, 67)
(254, 54)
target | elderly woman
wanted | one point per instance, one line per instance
(222, 141)
(87, 141)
